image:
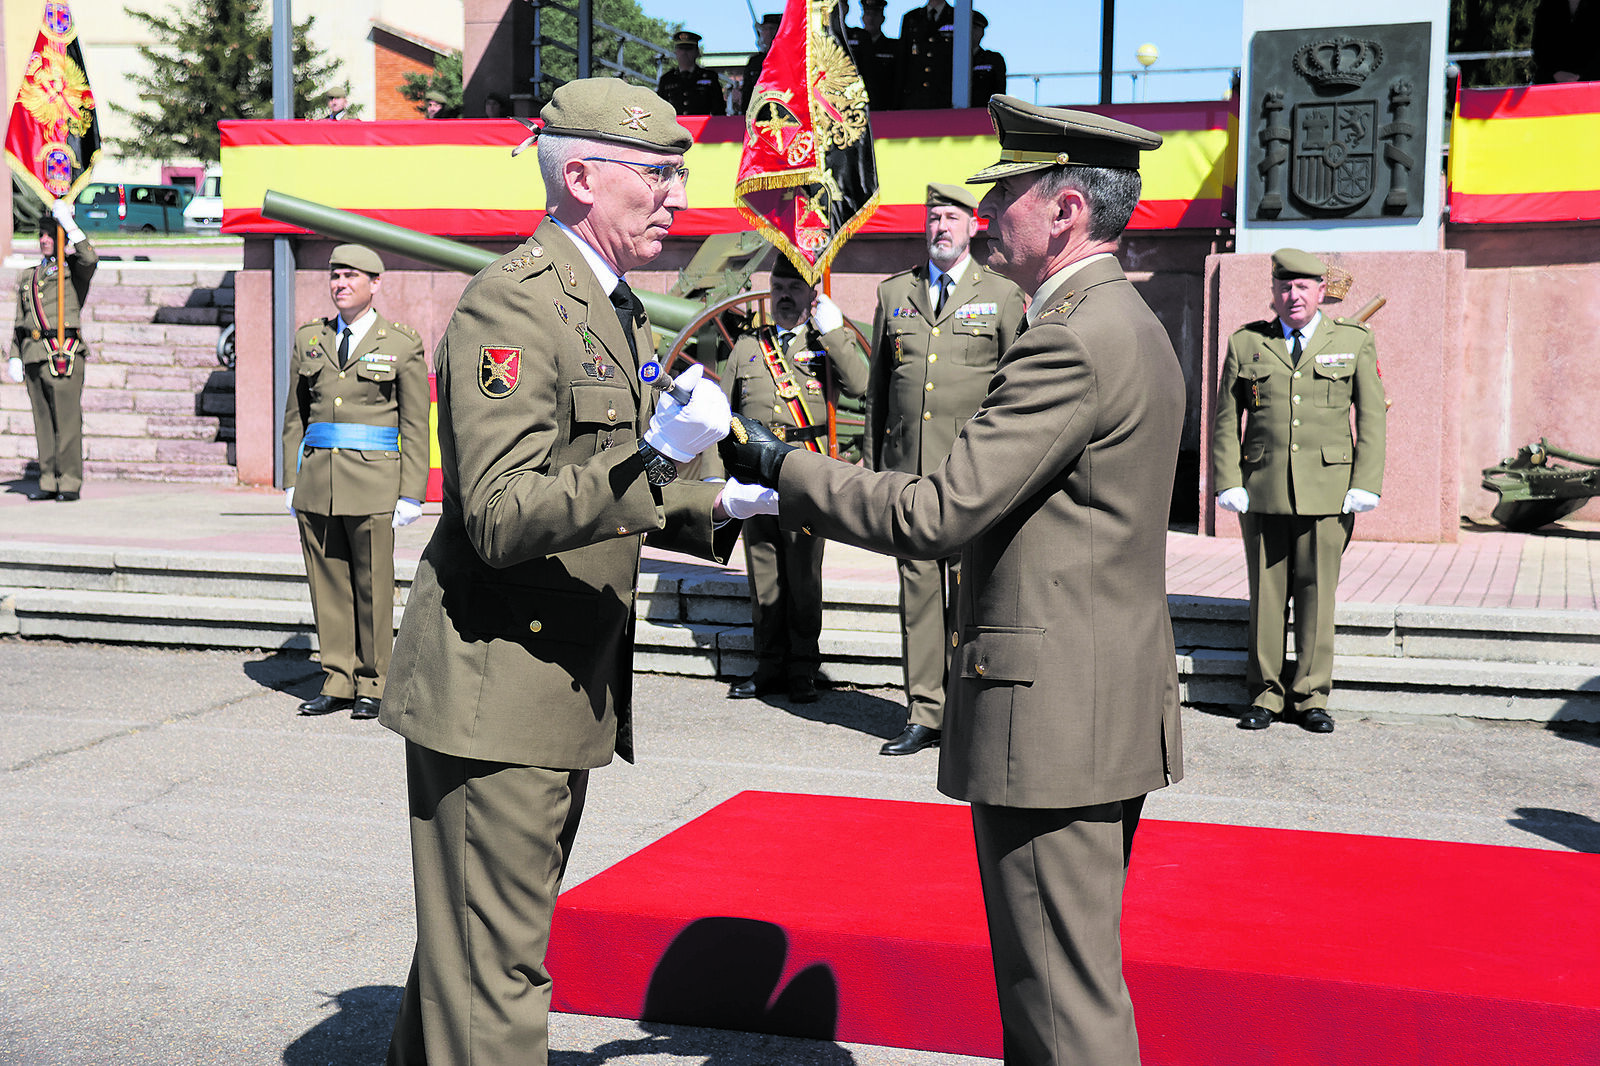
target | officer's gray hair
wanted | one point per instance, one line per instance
(555, 152)
(1112, 193)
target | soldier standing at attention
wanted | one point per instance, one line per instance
(988, 66)
(875, 56)
(690, 88)
(1298, 480)
(786, 375)
(355, 467)
(513, 671)
(766, 30)
(927, 34)
(937, 336)
(53, 369)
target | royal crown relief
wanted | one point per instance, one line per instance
(1337, 123)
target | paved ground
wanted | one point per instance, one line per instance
(195, 875)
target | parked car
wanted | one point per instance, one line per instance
(132, 208)
(204, 212)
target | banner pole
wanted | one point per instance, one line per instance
(61, 289)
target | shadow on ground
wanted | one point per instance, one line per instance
(292, 672)
(356, 1034)
(1571, 830)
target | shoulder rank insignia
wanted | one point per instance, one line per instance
(499, 369)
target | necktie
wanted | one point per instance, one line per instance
(784, 340)
(1299, 348)
(944, 291)
(623, 299)
(344, 347)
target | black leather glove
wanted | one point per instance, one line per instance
(752, 454)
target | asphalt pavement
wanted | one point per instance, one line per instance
(193, 874)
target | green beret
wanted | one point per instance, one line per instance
(357, 257)
(342, 89)
(611, 110)
(783, 267)
(436, 96)
(1293, 263)
(1038, 138)
(954, 195)
(686, 37)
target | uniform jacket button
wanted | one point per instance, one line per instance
(535, 626)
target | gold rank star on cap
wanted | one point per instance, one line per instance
(611, 110)
(1037, 138)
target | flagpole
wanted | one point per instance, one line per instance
(61, 290)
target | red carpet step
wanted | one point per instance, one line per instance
(862, 921)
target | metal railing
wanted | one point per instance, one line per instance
(588, 57)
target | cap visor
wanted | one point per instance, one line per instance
(1003, 169)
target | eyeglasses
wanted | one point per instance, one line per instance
(659, 176)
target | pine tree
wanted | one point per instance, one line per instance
(214, 62)
(1493, 26)
(561, 65)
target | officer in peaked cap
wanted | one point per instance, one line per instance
(1062, 709)
(876, 56)
(1297, 479)
(513, 670)
(766, 30)
(355, 468)
(690, 88)
(937, 336)
(988, 66)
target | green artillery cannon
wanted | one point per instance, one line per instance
(710, 306)
(1535, 491)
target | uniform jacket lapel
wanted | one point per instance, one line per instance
(595, 307)
(918, 296)
(1278, 344)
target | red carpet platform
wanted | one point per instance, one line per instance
(820, 916)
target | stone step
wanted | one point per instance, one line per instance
(187, 473)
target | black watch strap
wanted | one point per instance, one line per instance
(659, 470)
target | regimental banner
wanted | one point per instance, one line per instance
(53, 137)
(1528, 154)
(807, 177)
(412, 171)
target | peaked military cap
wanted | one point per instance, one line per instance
(874, 5)
(611, 110)
(685, 37)
(1293, 263)
(357, 257)
(979, 20)
(774, 20)
(954, 195)
(1037, 138)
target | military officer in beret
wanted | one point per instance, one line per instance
(513, 669)
(1063, 702)
(937, 336)
(690, 88)
(875, 56)
(786, 375)
(927, 36)
(51, 361)
(1297, 480)
(766, 30)
(355, 468)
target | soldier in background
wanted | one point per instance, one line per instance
(937, 337)
(690, 88)
(338, 98)
(924, 69)
(1298, 480)
(355, 468)
(988, 66)
(875, 56)
(54, 370)
(766, 30)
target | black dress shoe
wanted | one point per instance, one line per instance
(66, 497)
(1316, 720)
(1255, 718)
(802, 690)
(40, 494)
(365, 707)
(911, 740)
(324, 704)
(752, 686)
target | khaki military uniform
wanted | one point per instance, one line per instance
(1297, 459)
(926, 57)
(784, 567)
(929, 374)
(344, 497)
(512, 673)
(1063, 705)
(695, 92)
(56, 397)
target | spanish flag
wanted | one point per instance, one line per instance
(1527, 154)
(53, 138)
(807, 176)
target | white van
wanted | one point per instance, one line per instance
(203, 214)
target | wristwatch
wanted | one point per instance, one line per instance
(658, 469)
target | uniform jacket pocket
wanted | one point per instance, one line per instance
(1002, 653)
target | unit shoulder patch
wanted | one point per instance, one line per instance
(499, 370)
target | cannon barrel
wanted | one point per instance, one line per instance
(668, 314)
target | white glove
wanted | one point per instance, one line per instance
(825, 314)
(681, 432)
(14, 368)
(61, 211)
(406, 512)
(1235, 499)
(288, 499)
(747, 501)
(1359, 501)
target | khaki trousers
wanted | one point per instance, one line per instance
(927, 615)
(1052, 890)
(350, 568)
(785, 574)
(489, 847)
(57, 424)
(1292, 559)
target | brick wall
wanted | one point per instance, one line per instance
(392, 60)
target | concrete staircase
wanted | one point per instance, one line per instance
(1493, 663)
(157, 405)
